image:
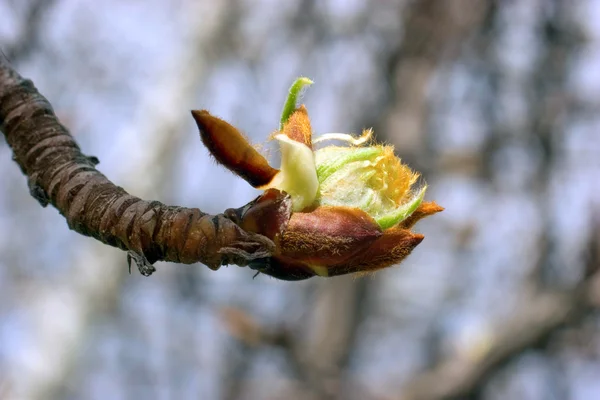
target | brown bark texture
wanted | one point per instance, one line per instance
(60, 174)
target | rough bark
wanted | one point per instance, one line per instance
(61, 175)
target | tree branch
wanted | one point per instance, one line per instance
(59, 174)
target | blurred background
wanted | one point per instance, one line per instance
(497, 103)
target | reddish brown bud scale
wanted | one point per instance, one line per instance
(268, 215)
(231, 149)
(328, 235)
(298, 127)
(391, 248)
(425, 209)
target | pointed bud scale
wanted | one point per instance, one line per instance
(232, 150)
(297, 127)
(391, 248)
(424, 210)
(328, 235)
(268, 215)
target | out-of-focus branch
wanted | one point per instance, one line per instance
(541, 315)
(251, 335)
(59, 174)
(434, 32)
(32, 26)
(541, 312)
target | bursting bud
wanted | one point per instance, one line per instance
(330, 211)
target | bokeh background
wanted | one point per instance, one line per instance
(497, 103)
